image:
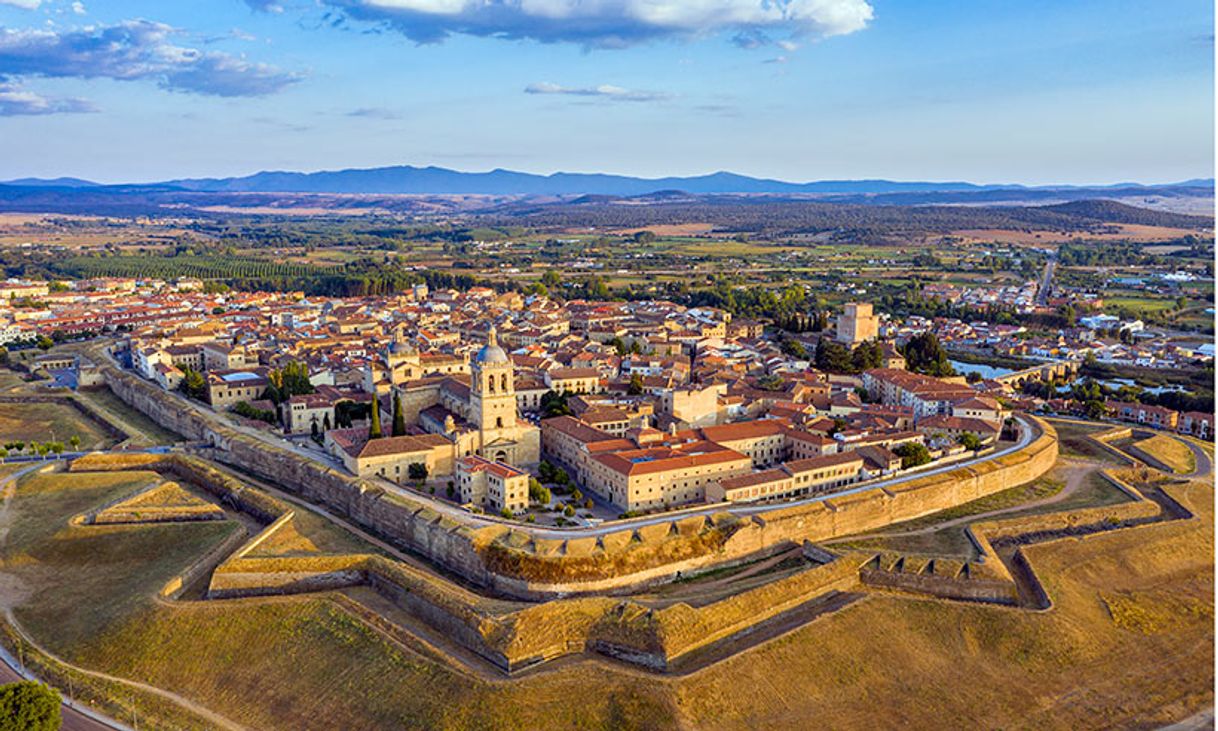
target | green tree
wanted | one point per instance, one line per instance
(44, 342)
(417, 471)
(912, 454)
(551, 278)
(75, 442)
(867, 356)
(374, 431)
(636, 385)
(554, 404)
(284, 383)
(538, 492)
(399, 418)
(29, 706)
(924, 354)
(193, 384)
(832, 356)
(794, 348)
(1069, 315)
(969, 441)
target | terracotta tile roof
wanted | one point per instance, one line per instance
(664, 459)
(828, 460)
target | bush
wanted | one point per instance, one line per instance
(417, 471)
(576, 495)
(588, 504)
(506, 513)
(569, 511)
(28, 706)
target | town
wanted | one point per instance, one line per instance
(574, 412)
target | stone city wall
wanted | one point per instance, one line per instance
(515, 559)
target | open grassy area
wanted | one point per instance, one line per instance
(292, 663)
(1075, 442)
(1170, 452)
(149, 432)
(919, 664)
(1128, 643)
(1087, 488)
(46, 421)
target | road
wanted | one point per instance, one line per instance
(74, 718)
(1046, 280)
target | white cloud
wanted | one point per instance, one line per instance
(610, 23)
(23, 4)
(78, 8)
(134, 50)
(604, 91)
(15, 101)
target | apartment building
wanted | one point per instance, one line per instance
(925, 395)
(494, 486)
(792, 479)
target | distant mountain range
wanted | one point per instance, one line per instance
(407, 179)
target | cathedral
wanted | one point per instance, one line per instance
(477, 413)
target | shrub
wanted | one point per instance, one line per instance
(588, 503)
(28, 706)
(569, 511)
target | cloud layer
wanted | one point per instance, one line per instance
(604, 91)
(16, 101)
(134, 50)
(612, 23)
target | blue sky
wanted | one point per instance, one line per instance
(1036, 91)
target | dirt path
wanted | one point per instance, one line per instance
(1077, 472)
(13, 592)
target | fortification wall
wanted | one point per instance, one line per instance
(516, 561)
(993, 591)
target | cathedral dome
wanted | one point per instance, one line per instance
(491, 352)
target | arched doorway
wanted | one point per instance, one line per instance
(501, 456)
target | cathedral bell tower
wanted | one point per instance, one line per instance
(492, 391)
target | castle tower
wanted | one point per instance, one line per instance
(492, 390)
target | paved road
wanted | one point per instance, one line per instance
(1203, 462)
(1042, 293)
(73, 718)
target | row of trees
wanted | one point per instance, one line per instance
(42, 449)
(288, 381)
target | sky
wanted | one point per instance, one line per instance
(986, 91)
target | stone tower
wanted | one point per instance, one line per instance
(492, 390)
